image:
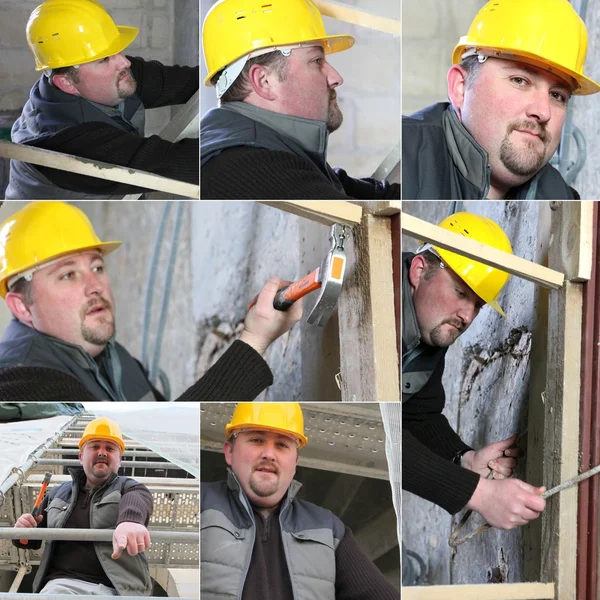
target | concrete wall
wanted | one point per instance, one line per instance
(369, 97)
(168, 32)
(490, 390)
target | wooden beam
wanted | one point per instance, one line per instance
(369, 358)
(561, 420)
(492, 591)
(381, 208)
(421, 230)
(326, 212)
(349, 14)
(379, 535)
(185, 124)
(101, 170)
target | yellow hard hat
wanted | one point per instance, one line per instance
(487, 282)
(63, 33)
(43, 231)
(234, 28)
(281, 417)
(102, 429)
(545, 33)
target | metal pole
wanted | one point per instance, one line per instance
(68, 462)
(18, 578)
(91, 535)
(33, 458)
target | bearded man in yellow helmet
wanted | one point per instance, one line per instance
(96, 498)
(91, 102)
(442, 293)
(512, 77)
(60, 345)
(278, 105)
(258, 540)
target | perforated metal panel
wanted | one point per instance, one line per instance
(344, 438)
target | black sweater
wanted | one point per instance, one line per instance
(240, 374)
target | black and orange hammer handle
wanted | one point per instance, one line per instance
(38, 502)
(286, 296)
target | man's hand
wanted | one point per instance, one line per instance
(28, 520)
(263, 324)
(508, 503)
(500, 457)
(133, 536)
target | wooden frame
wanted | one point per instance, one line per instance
(349, 14)
(492, 591)
(101, 170)
(370, 370)
(422, 230)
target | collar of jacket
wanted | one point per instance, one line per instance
(468, 156)
(80, 479)
(234, 485)
(311, 135)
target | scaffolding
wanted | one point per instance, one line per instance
(173, 527)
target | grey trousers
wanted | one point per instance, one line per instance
(76, 587)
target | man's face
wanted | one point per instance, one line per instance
(444, 304)
(264, 463)
(516, 113)
(308, 90)
(72, 301)
(106, 81)
(99, 458)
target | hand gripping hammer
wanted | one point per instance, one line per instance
(328, 277)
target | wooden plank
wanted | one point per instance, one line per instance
(185, 124)
(381, 208)
(574, 257)
(561, 422)
(101, 170)
(327, 212)
(421, 230)
(493, 591)
(369, 358)
(349, 14)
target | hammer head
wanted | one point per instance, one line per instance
(331, 276)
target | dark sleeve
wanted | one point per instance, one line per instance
(255, 174)
(356, 577)
(160, 85)
(368, 188)
(135, 505)
(239, 375)
(40, 384)
(34, 544)
(102, 142)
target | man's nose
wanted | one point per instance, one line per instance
(467, 313)
(334, 79)
(540, 108)
(121, 61)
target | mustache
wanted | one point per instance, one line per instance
(538, 128)
(94, 302)
(457, 323)
(267, 465)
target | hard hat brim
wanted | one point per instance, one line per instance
(586, 86)
(335, 43)
(229, 430)
(126, 36)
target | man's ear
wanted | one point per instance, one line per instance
(457, 85)
(19, 308)
(261, 82)
(416, 270)
(227, 450)
(64, 83)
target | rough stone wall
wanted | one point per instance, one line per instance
(369, 97)
(431, 29)
(489, 389)
(158, 21)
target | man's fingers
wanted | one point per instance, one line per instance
(119, 544)
(264, 302)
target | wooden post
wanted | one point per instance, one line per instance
(494, 591)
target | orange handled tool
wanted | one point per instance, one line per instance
(38, 502)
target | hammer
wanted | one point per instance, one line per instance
(328, 277)
(38, 502)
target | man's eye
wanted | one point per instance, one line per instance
(98, 269)
(319, 61)
(68, 275)
(460, 293)
(562, 98)
(519, 80)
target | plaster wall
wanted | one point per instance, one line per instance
(369, 97)
(489, 394)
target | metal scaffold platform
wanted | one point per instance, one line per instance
(174, 525)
